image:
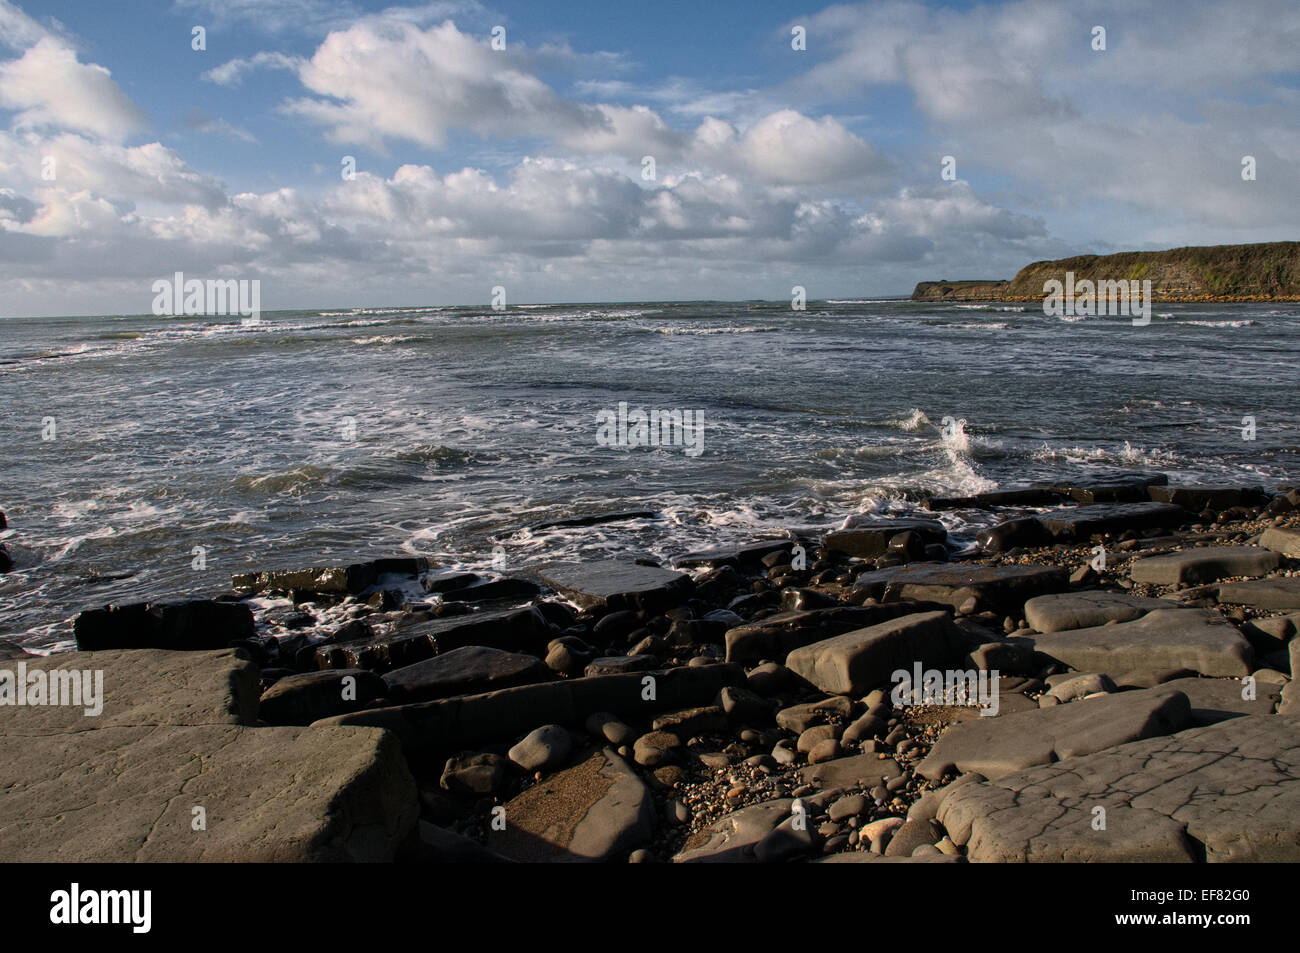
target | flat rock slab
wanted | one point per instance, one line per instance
(1282, 539)
(1083, 522)
(122, 794)
(1225, 792)
(1012, 496)
(1214, 497)
(598, 810)
(862, 770)
(452, 724)
(141, 687)
(858, 661)
(774, 637)
(872, 538)
(1165, 640)
(1194, 567)
(1218, 699)
(995, 747)
(731, 839)
(468, 670)
(1279, 593)
(617, 585)
(1003, 589)
(1110, 488)
(195, 624)
(507, 629)
(748, 555)
(1081, 610)
(329, 580)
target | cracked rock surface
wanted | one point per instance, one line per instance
(1226, 792)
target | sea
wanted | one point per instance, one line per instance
(150, 458)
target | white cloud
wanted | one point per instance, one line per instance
(50, 89)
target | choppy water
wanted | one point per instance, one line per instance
(174, 433)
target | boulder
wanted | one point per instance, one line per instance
(1163, 640)
(598, 810)
(858, 661)
(1193, 567)
(997, 746)
(1282, 539)
(1199, 498)
(468, 670)
(1224, 792)
(1081, 610)
(542, 749)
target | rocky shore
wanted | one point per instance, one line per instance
(1132, 643)
(1267, 271)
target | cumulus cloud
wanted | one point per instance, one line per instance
(50, 89)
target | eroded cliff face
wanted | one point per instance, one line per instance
(1267, 271)
(960, 291)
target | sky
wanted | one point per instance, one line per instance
(348, 153)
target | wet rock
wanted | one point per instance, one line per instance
(615, 585)
(507, 629)
(514, 589)
(1027, 532)
(1198, 498)
(335, 580)
(871, 538)
(1083, 522)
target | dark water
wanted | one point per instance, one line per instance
(174, 433)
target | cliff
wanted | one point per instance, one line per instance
(1269, 271)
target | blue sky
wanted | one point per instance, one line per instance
(126, 155)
